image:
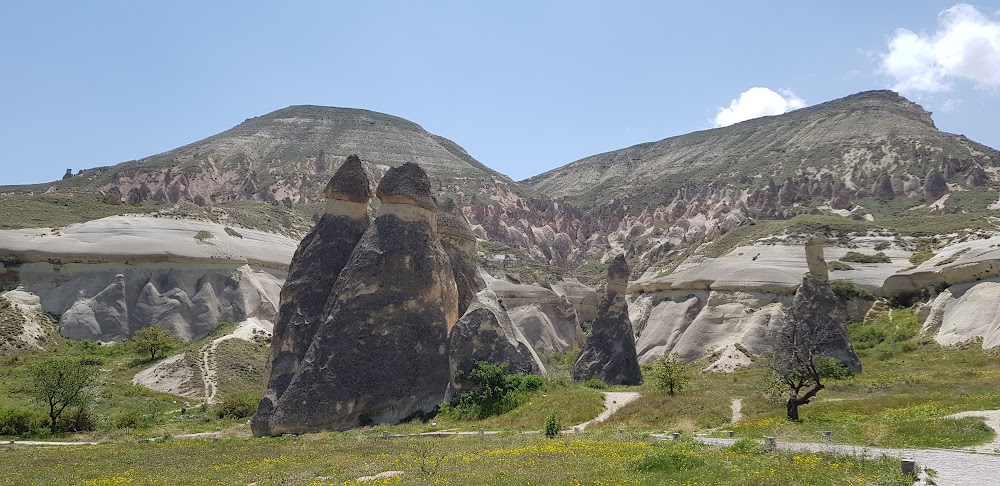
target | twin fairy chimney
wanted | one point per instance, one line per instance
(609, 354)
(363, 329)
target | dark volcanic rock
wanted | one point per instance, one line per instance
(460, 244)
(314, 270)
(407, 184)
(380, 353)
(609, 354)
(819, 308)
(350, 182)
(935, 186)
(485, 333)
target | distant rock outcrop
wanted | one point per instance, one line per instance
(485, 333)
(317, 263)
(380, 354)
(103, 316)
(609, 354)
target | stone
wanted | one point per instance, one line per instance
(814, 258)
(380, 353)
(68, 174)
(113, 196)
(312, 274)
(609, 353)
(485, 333)
(820, 310)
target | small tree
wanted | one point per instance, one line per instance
(552, 425)
(153, 340)
(61, 383)
(671, 375)
(800, 362)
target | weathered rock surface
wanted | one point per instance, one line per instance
(609, 353)
(547, 320)
(460, 244)
(964, 311)
(168, 277)
(584, 299)
(818, 308)
(485, 333)
(23, 325)
(381, 351)
(313, 272)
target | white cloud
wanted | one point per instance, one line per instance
(966, 46)
(757, 102)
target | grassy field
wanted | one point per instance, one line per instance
(340, 458)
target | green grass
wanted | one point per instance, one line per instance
(510, 459)
(855, 257)
(58, 210)
(240, 366)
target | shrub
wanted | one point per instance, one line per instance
(17, 421)
(747, 446)
(839, 266)
(153, 340)
(920, 257)
(203, 237)
(846, 290)
(497, 391)
(552, 425)
(237, 406)
(832, 368)
(855, 257)
(595, 384)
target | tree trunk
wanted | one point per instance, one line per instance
(793, 409)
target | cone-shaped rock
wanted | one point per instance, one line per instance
(460, 244)
(824, 313)
(485, 333)
(609, 354)
(380, 354)
(312, 274)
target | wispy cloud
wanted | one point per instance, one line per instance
(757, 102)
(966, 46)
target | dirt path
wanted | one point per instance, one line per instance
(737, 411)
(613, 401)
(954, 467)
(207, 364)
(47, 443)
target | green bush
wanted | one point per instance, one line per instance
(832, 368)
(552, 425)
(855, 257)
(237, 406)
(497, 392)
(748, 447)
(670, 375)
(594, 383)
(846, 290)
(17, 421)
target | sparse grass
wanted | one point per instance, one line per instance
(836, 266)
(240, 366)
(921, 256)
(952, 258)
(58, 210)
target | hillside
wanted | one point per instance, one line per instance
(287, 155)
(853, 139)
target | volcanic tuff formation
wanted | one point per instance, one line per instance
(609, 353)
(380, 353)
(312, 275)
(485, 333)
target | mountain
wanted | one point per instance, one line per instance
(853, 139)
(289, 154)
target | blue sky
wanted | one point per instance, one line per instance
(523, 86)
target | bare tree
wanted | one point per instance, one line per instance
(811, 342)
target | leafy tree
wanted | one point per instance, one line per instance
(153, 340)
(671, 375)
(60, 383)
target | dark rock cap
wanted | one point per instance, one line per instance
(453, 223)
(350, 182)
(406, 184)
(618, 270)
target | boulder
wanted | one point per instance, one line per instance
(485, 333)
(380, 353)
(314, 270)
(609, 353)
(935, 186)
